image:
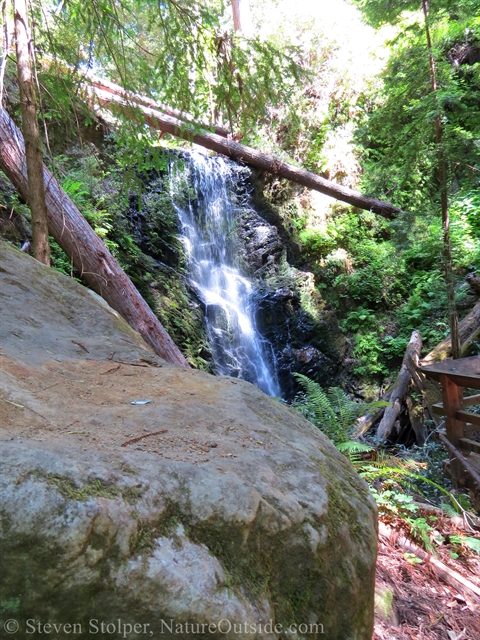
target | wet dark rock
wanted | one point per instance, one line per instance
(300, 342)
(261, 243)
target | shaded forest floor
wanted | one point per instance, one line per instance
(423, 607)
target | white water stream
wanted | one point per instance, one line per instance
(209, 236)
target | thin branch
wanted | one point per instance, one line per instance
(145, 435)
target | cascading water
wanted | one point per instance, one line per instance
(208, 230)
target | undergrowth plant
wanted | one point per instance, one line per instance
(394, 480)
(333, 412)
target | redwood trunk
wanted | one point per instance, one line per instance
(98, 268)
(442, 178)
(35, 195)
(242, 22)
(241, 153)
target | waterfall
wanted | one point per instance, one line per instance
(208, 227)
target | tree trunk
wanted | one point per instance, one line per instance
(241, 153)
(90, 256)
(467, 329)
(418, 425)
(105, 85)
(35, 196)
(242, 22)
(400, 388)
(442, 178)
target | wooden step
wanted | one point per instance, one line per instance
(466, 444)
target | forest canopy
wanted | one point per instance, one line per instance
(177, 52)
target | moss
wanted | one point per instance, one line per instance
(124, 467)
(11, 605)
(132, 494)
(93, 488)
(150, 252)
(143, 540)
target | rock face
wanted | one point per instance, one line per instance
(239, 514)
(289, 311)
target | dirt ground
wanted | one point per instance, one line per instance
(424, 607)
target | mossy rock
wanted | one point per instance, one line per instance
(240, 510)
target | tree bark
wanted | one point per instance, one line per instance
(35, 197)
(242, 22)
(400, 388)
(442, 178)
(417, 425)
(98, 268)
(242, 153)
(105, 85)
(467, 329)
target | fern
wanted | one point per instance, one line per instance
(333, 412)
(353, 450)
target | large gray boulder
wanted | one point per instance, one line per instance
(238, 520)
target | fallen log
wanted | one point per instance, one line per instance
(90, 79)
(400, 388)
(97, 267)
(136, 99)
(468, 330)
(418, 425)
(242, 153)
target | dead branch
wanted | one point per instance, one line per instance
(461, 458)
(144, 435)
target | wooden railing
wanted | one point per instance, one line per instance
(455, 376)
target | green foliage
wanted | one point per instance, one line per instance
(354, 450)
(394, 483)
(333, 411)
(398, 133)
(176, 52)
(59, 259)
(471, 543)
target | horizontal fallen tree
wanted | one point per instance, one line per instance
(97, 267)
(128, 106)
(98, 83)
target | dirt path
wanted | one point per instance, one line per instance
(424, 607)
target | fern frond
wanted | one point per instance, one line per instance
(345, 409)
(352, 449)
(403, 476)
(316, 397)
(352, 446)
